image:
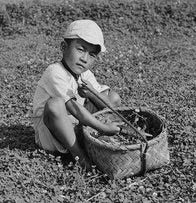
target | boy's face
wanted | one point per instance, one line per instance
(79, 55)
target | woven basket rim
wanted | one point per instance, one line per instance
(125, 147)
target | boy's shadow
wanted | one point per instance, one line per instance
(17, 137)
(22, 137)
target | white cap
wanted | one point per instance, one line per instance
(87, 30)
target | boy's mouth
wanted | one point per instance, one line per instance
(80, 65)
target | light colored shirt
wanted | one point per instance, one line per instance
(57, 81)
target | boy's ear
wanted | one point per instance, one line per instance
(64, 45)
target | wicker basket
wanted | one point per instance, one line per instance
(127, 160)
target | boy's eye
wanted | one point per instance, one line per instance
(80, 48)
(93, 55)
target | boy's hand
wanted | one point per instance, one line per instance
(83, 90)
(113, 128)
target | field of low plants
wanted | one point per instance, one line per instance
(150, 61)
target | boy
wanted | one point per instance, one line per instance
(61, 101)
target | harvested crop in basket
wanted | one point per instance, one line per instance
(127, 136)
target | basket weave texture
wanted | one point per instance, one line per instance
(127, 160)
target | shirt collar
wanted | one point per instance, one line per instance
(68, 69)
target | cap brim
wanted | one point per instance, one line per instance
(103, 49)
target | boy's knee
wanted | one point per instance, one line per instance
(114, 98)
(54, 107)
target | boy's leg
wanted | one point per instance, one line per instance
(112, 96)
(57, 121)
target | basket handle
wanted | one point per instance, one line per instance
(116, 112)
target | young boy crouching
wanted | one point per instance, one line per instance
(61, 102)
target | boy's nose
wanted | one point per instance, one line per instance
(84, 57)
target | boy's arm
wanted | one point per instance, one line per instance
(86, 118)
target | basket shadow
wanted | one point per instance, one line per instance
(17, 136)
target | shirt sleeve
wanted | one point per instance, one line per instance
(89, 76)
(57, 83)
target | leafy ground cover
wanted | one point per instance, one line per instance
(150, 61)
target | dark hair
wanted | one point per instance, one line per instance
(68, 41)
